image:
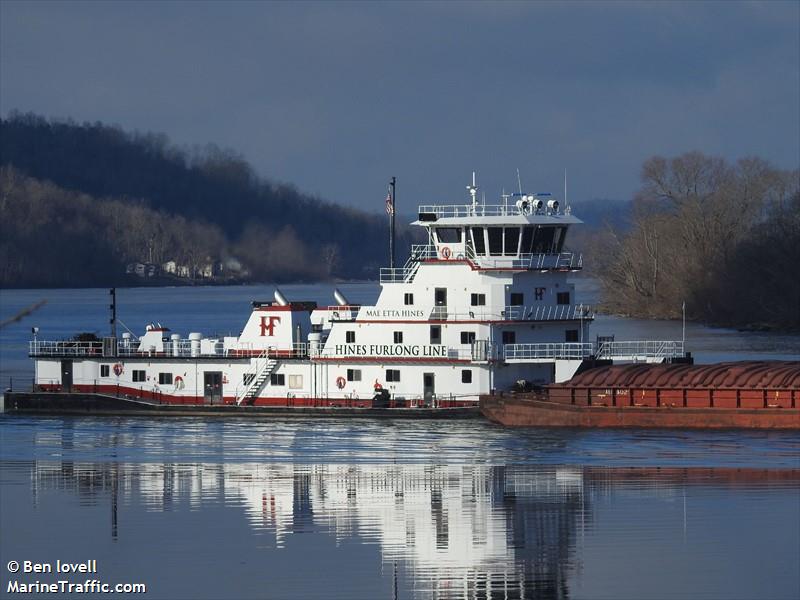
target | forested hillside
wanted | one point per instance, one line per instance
(723, 238)
(161, 198)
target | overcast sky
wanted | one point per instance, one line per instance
(337, 97)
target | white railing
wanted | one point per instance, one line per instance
(488, 210)
(568, 350)
(541, 261)
(640, 349)
(65, 348)
(633, 350)
(479, 351)
(524, 262)
(179, 349)
(550, 312)
(405, 274)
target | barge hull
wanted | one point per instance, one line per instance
(520, 411)
(52, 403)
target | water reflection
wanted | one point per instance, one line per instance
(457, 531)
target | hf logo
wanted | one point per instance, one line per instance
(268, 325)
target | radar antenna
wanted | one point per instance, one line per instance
(519, 182)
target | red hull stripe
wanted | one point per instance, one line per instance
(164, 398)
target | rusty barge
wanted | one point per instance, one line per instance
(752, 394)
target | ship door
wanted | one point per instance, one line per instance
(212, 387)
(440, 303)
(428, 388)
(66, 375)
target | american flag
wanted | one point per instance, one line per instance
(389, 203)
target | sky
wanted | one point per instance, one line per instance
(337, 97)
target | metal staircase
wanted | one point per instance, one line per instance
(264, 366)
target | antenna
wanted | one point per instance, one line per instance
(473, 190)
(519, 182)
(565, 188)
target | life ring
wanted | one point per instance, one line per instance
(378, 387)
(446, 252)
(341, 382)
(178, 381)
(118, 369)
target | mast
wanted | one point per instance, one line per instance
(392, 185)
(113, 307)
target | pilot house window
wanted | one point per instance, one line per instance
(478, 241)
(495, 241)
(449, 235)
(511, 241)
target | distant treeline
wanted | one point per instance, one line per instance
(723, 238)
(100, 198)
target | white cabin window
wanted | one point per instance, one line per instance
(165, 379)
(477, 299)
(353, 374)
(104, 370)
(138, 375)
(467, 337)
(277, 379)
(350, 337)
(295, 382)
(398, 337)
(408, 299)
(466, 376)
(393, 375)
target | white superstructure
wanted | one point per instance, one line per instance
(484, 305)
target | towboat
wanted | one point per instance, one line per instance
(485, 305)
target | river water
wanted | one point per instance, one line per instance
(298, 508)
